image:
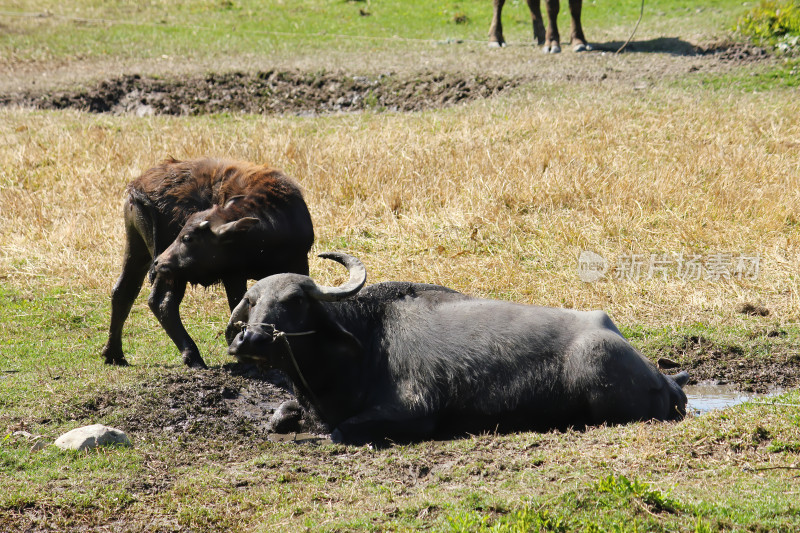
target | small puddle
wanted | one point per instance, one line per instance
(705, 397)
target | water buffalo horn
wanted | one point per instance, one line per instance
(358, 276)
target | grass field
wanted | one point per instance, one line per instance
(207, 28)
(498, 198)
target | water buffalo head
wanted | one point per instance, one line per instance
(204, 246)
(290, 305)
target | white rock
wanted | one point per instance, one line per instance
(88, 437)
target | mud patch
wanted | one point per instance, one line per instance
(268, 92)
(723, 364)
(739, 53)
(235, 402)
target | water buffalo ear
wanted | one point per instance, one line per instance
(241, 313)
(681, 378)
(341, 341)
(230, 228)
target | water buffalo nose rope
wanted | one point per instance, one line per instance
(275, 332)
(282, 335)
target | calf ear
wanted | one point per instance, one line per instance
(232, 200)
(237, 226)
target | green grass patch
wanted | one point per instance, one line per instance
(50, 343)
(74, 487)
(198, 28)
(755, 340)
(48, 30)
(783, 75)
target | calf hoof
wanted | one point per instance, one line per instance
(496, 44)
(581, 47)
(193, 360)
(114, 357)
(553, 48)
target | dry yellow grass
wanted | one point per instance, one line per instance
(494, 199)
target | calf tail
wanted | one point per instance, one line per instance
(142, 216)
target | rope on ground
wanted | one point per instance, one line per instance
(641, 12)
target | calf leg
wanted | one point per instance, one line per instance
(496, 29)
(538, 23)
(165, 300)
(551, 40)
(135, 263)
(235, 287)
(577, 39)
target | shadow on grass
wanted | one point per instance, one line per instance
(662, 45)
(678, 47)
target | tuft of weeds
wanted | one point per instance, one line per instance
(619, 487)
(774, 23)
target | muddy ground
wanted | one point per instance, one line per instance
(268, 92)
(237, 401)
(731, 364)
(322, 91)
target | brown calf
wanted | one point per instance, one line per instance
(205, 221)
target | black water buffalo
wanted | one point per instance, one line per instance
(205, 221)
(550, 39)
(404, 361)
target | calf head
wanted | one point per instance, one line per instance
(205, 246)
(289, 305)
